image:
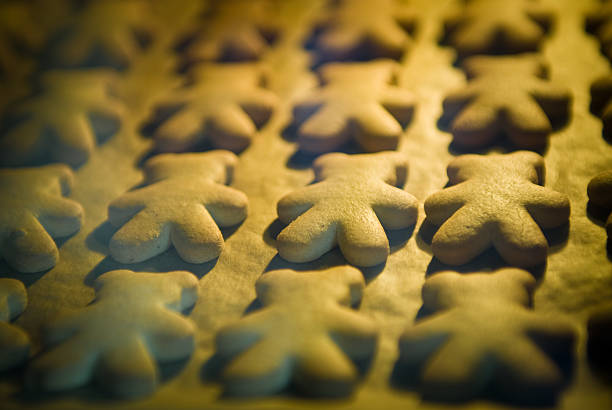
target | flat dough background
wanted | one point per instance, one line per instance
(578, 276)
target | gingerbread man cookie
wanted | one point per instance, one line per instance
(599, 22)
(108, 32)
(235, 30)
(497, 201)
(224, 104)
(64, 121)
(482, 340)
(14, 342)
(600, 194)
(355, 101)
(363, 29)
(184, 200)
(498, 27)
(507, 96)
(134, 320)
(33, 210)
(354, 198)
(305, 334)
(601, 102)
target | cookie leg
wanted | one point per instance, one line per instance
(307, 238)
(263, 369)
(142, 238)
(461, 238)
(363, 240)
(127, 370)
(30, 248)
(180, 132)
(196, 237)
(61, 217)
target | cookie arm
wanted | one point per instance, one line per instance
(395, 208)
(547, 207)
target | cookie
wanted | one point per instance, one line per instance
(33, 210)
(498, 27)
(14, 342)
(235, 30)
(496, 201)
(352, 202)
(599, 342)
(599, 191)
(63, 122)
(184, 200)
(364, 30)
(105, 33)
(223, 104)
(305, 334)
(599, 22)
(601, 102)
(482, 340)
(355, 101)
(506, 96)
(134, 320)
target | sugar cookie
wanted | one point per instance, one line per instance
(497, 201)
(305, 333)
(507, 96)
(33, 210)
(352, 201)
(184, 200)
(134, 320)
(482, 339)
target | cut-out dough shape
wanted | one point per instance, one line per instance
(135, 319)
(355, 101)
(498, 27)
(64, 121)
(506, 96)
(599, 22)
(33, 210)
(364, 29)
(483, 339)
(497, 201)
(236, 30)
(106, 33)
(14, 342)
(225, 104)
(184, 200)
(600, 193)
(601, 102)
(305, 334)
(354, 198)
